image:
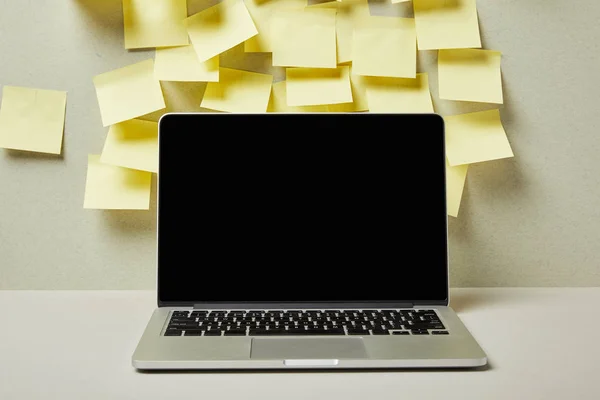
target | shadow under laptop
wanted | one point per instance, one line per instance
(486, 367)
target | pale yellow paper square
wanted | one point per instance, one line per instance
(261, 12)
(278, 102)
(132, 144)
(446, 24)
(359, 96)
(154, 23)
(475, 137)
(399, 95)
(115, 188)
(238, 92)
(304, 38)
(181, 64)
(316, 86)
(470, 75)
(32, 119)
(219, 28)
(128, 93)
(348, 14)
(385, 46)
(455, 183)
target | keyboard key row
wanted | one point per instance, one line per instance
(295, 332)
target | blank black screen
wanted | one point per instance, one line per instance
(301, 208)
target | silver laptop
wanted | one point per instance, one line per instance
(298, 241)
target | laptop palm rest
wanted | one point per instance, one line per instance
(325, 351)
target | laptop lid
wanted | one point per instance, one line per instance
(302, 210)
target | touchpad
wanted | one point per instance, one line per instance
(307, 348)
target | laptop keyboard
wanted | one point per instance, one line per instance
(305, 322)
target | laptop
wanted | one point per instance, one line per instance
(303, 241)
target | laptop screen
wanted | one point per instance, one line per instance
(301, 208)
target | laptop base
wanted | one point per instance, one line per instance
(458, 349)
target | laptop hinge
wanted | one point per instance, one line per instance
(296, 306)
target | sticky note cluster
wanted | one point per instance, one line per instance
(337, 57)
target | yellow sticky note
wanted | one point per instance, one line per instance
(385, 46)
(32, 119)
(154, 23)
(304, 38)
(455, 183)
(238, 92)
(348, 14)
(470, 75)
(261, 12)
(359, 96)
(345, 21)
(219, 28)
(181, 64)
(316, 86)
(399, 95)
(475, 137)
(446, 24)
(278, 102)
(115, 188)
(132, 144)
(128, 93)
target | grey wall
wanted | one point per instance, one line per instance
(533, 220)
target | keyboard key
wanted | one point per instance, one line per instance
(400, 333)
(178, 313)
(419, 332)
(254, 313)
(380, 332)
(295, 328)
(423, 326)
(336, 330)
(235, 332)
(217, 313)
(198, 313)
(316, 332)
(212, 333)
(439, 333)
(355, 331)
(264, 332)
(193, 333)
(181, 319)
(173, 333)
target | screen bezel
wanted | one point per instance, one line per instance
(433, 124)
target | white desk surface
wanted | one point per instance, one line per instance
(541, 344)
